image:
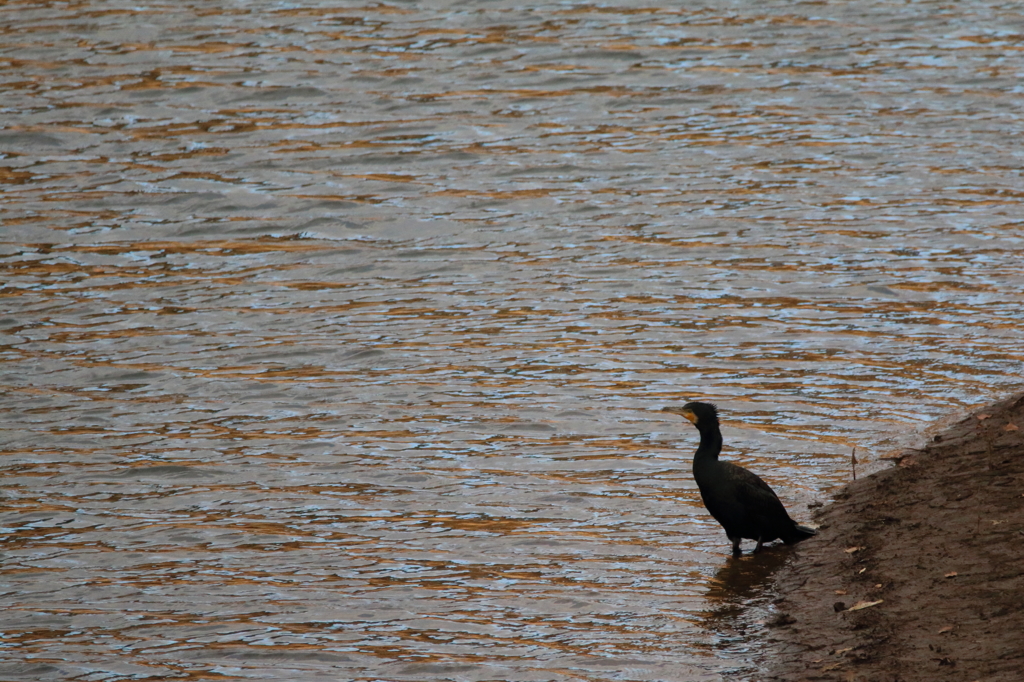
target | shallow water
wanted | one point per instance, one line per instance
(335, 336)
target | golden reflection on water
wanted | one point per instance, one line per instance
(334, 339)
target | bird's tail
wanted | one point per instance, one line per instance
(799, 533)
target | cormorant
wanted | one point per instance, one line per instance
(738, 499)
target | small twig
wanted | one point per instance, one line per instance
(853, 462)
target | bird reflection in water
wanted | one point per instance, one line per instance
(739, 599)
(737, 581)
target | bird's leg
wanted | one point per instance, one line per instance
(759, 546)
(736, 546)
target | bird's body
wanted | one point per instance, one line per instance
(745, 505)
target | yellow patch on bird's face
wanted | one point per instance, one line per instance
(689, 415)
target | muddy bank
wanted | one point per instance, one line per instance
(918, 570)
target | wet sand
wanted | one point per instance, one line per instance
(932, 550)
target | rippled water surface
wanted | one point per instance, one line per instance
(334, 336)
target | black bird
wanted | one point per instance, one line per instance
(738, 499)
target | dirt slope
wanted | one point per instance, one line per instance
(938, 542)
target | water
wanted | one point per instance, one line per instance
(335, 336)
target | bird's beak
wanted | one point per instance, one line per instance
(682, 411)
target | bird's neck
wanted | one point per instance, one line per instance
(710, 445)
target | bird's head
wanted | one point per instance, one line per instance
(699, 414)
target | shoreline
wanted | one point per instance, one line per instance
(917, 572)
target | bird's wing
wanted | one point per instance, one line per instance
(747, 479)
(755, 495)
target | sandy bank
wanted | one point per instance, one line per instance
(918, 570)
